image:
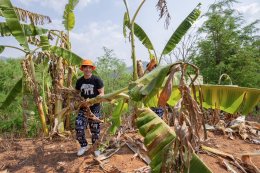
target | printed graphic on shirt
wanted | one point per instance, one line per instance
(88, 89)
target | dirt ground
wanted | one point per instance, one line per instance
(56, 155)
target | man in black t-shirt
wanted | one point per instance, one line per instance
(89, 86)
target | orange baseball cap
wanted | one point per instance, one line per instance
(87, 62)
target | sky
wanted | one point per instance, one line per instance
(99, 23)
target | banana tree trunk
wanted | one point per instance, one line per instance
(37, 97)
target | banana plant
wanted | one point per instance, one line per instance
(174, 39)
(13, 24)
(22, 32)
(12, 21)
(69, 23)
(159, 137)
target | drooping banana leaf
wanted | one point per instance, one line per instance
(181, 30)
(13, 23)
(29, 30)
(120, 108)
(251, 99)
(2, 48)
(66, 54)
(158, 137)
(139, 33)
(13, 93)
(68, 15)
(230, 99)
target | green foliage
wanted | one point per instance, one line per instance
(228, 46)
(230, 99)
(44, 43)
(139, 33)
(114, 74)
(120, 108)
(29, 30)
(68, 15)
(10, 117)
(16, 90)
(181, 30)
(71, 57)
(13, 23)
(112, 71)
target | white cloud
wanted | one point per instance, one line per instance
(84, 3)
(250, 9)
(55, 24)
(89, 41)
(56, 5)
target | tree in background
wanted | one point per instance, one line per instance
(113, 71)
(228, 46)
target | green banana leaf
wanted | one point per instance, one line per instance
(12, 94)
(66, 54)
(68, 15)
(230, 99)
(150, 84)
(2, 48)
(181, 30)
(44, 42)
(139, 33)
(29, 30)
(13, 23)
(154, 86)
(251, 99)
(32, 30)
(120, 108)
(158, 138)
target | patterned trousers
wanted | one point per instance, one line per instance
(81, 124)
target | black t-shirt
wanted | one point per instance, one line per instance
(89, 88)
